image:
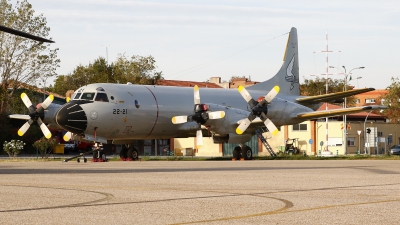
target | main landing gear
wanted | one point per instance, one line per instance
(242, 152)
(129, 153)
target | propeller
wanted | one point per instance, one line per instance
(35, 113)
(258, 109)
(201, 115)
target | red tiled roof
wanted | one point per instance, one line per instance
(377, 93)
(182, 83)
(36, 89)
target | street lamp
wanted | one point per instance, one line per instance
(357, 81)
(345, 102)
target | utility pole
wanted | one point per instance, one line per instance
(326, 85)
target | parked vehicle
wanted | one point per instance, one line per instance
(395, 150)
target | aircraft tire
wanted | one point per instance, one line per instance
(236, 152)
(247, 153)
(103, 157)
(129, 153)
(123, 153)
(133, 153)
(95, 155)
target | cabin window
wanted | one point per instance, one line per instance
(101, 97)
(87, 96)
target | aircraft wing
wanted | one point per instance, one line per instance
(332, 96)
(337, 112)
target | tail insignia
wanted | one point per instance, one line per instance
(290, 77)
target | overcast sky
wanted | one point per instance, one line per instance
(199, 39)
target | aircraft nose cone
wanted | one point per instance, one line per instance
(72, 118)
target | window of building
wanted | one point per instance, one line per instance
(370, 100)
(358, 101)
(300, 127)
(351, 141)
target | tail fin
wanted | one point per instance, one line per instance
(287, 77)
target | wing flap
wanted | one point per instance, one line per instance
(332, 96)
(337, 112)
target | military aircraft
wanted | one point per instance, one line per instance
(121, 113)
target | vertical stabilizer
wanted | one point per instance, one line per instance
(287, 77)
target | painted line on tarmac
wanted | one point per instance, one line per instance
(106, 197)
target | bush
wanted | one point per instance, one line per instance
(13, 148)
(45, 146)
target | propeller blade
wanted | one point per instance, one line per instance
(43, 127)
(243, 126)
(19, 117)
(67, 136)
(246, 95)
(26, 100)
(196, 95)
(23, 34)
(25, 127)
(68, 99)
(179, 119)
(45, 104)
(269, 124)
(272, 94)
(216, 115)
(199, 139)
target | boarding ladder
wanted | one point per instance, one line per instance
(259, 133)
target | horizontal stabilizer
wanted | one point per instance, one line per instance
(331, 97)
(337, 112)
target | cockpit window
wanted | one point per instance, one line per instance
(87, 96)
(76, 96)
(101, 97)
(100, 89)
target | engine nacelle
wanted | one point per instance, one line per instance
(227, 125)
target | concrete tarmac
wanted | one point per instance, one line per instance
(201, 192)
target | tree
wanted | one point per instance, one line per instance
(392, 100)
(318, 87)
(22, 60)
(136, 69)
